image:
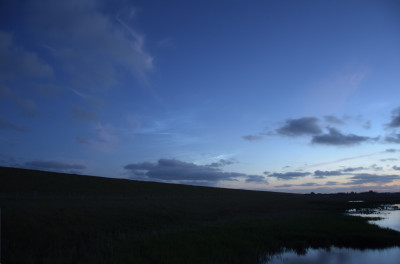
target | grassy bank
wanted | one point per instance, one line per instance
(61, 218)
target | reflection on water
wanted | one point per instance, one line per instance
(340, 255)
(390, 219)
(390, 215)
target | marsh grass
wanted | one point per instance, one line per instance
(62, 218)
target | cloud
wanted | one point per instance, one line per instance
(396, 167)
(26, 107)
(54, 165)
(284, 186)
(323, 174)
(253, 137)
(363, 178)
(393, 138)
(308, 184)
(392, 150)
(104, 138)
(395, 122)
(222, 162)
(367, 124)
(389, 159)
(176, 170)
(352, 169)
(331, 183)
(80, 114)
(336, 138)
(333, 120)
(299, 127)
(7, 125)
(17, 62)
(256, 179)
(375, 167)
(289, 175)
(95, 48)
(141, 166)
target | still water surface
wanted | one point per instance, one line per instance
(350, 256)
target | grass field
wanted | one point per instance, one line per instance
(62, 218)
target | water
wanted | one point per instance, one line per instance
(340, 255)
(391, 219)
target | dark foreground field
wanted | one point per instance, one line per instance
(61, 218)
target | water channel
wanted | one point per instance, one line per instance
(390, 219)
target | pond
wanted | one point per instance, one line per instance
(390, 219)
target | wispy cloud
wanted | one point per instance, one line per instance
(253, 137)
(17, 62)
(5, 124)
(80, 114)
(289, 175)
(392, 150)
(105, 138)
(393, 138)
(334, 120)
(25, 106)
(93, 47)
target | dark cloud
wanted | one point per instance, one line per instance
(333, 120)
(395, 122)
(222, 162)
(285, 186)
(54, 165)
(336, 138)
(253, 137)
(140, 166)
(323, 174)
(351, 169)
(80, 114)
(308, 184)
(331, 183)
(256, 179)
(393, 138)
(362, 178)
(289, 175)
(396, 167)
(7, 125)
(176, 170)
(299, 127)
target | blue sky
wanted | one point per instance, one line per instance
(292, 96)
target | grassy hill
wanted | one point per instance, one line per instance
(63, 218)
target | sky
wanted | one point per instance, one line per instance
(287, 96)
